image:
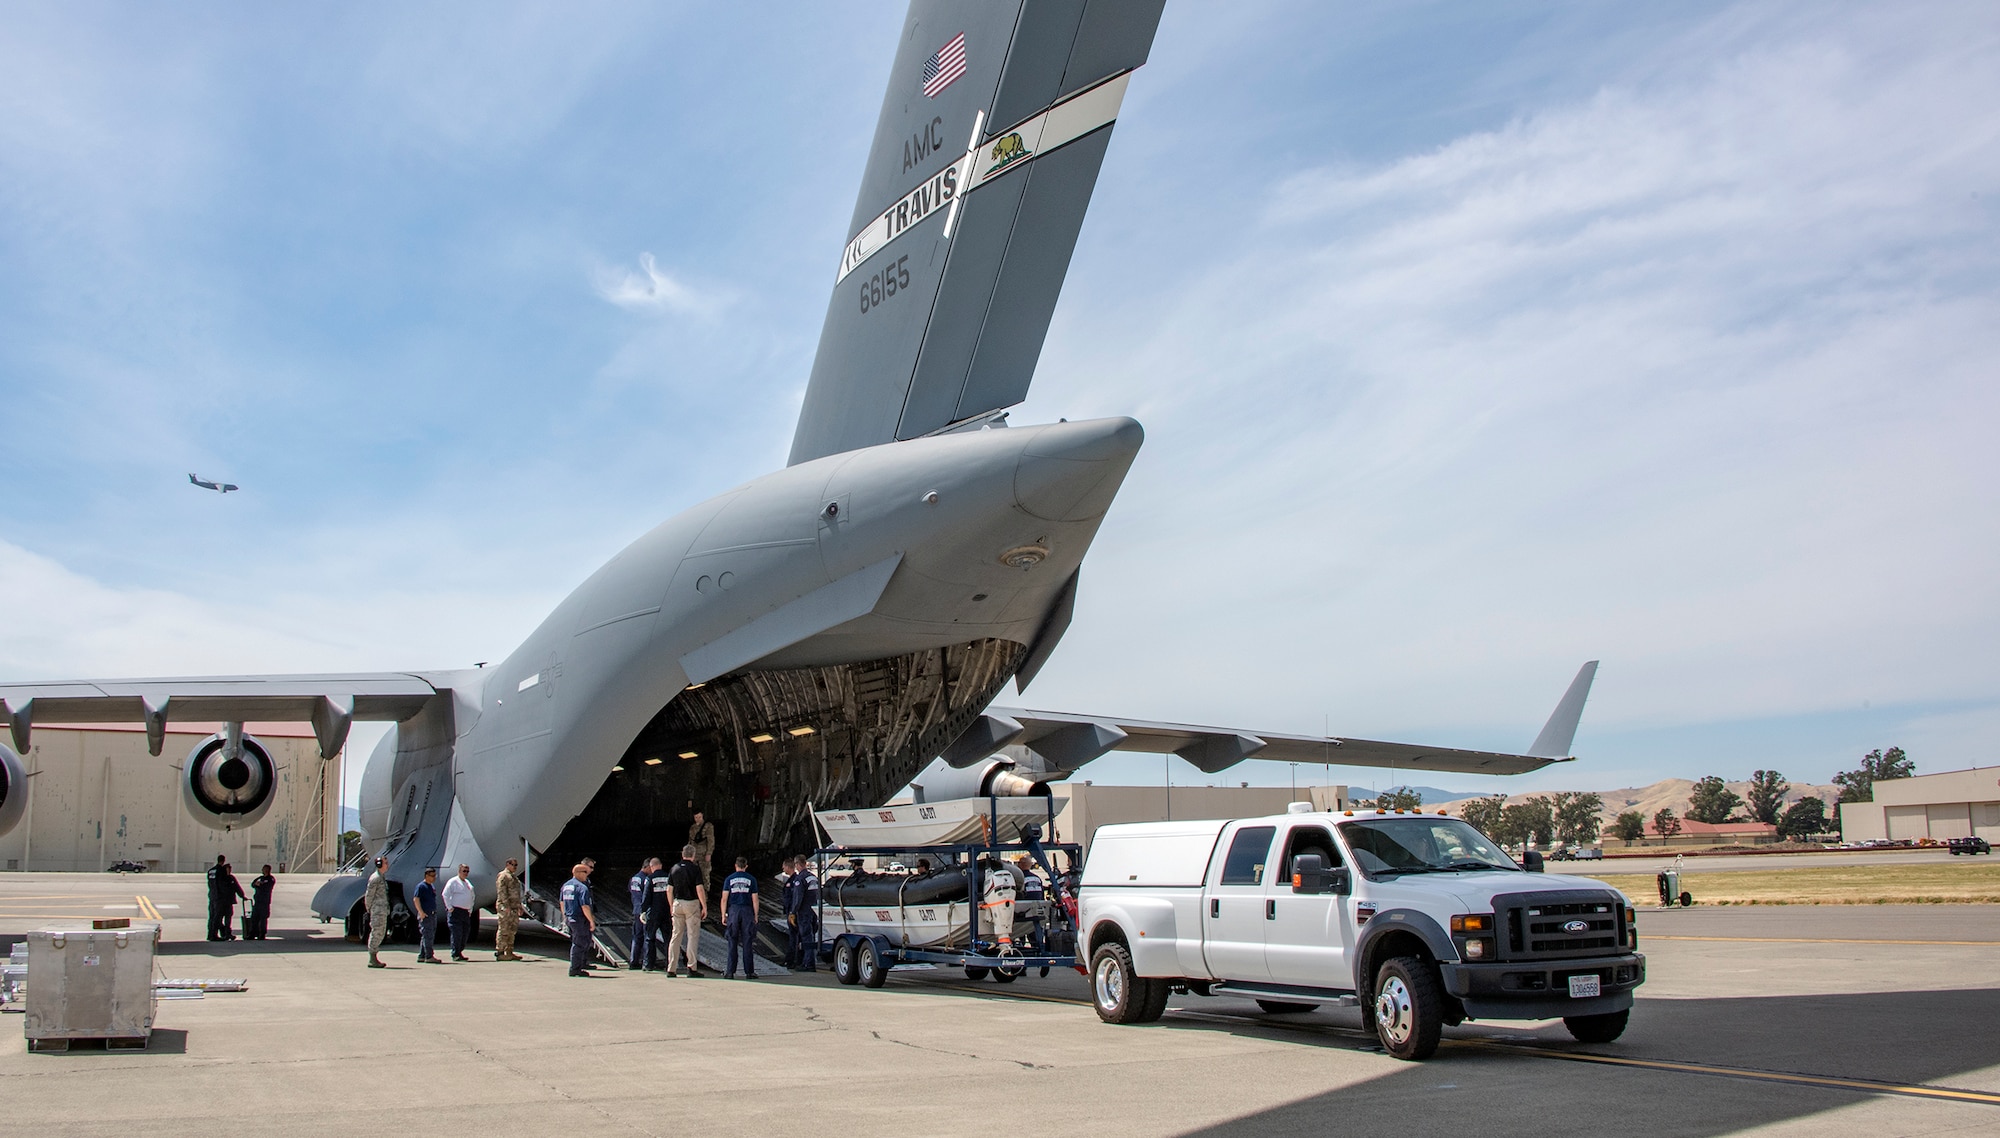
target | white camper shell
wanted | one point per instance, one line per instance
(1417, 917)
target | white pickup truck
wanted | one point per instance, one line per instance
(1416, 917)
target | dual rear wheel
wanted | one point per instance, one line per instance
(1121, 995)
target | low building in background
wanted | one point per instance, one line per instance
(1702, 834)
(96, 798)
(1953, 804)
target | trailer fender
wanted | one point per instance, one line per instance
(1148, 930)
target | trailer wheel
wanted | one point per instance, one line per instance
(1005, 975)
(868, 966)
(1409, 1008)
(1687, 900)
(1284, 1007)
(1119, 994)
(975, 972)
(1597, 1029)
(843, 962)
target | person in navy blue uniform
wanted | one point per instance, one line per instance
(641, 887)
(790, 900)
(425, 905)
(808, 939)
(659, 917)
(579, 918)
(261, 887)
(1032, 893)
(739, 918)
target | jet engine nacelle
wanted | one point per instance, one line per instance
(996, 776)
(13, 788)
(229, 780)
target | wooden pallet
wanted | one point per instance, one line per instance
(107, 1042)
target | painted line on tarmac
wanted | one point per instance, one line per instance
(1824, 940)
(1866, 1086)
(146, 907)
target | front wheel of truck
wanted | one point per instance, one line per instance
(1409, 1008)
(1597, 1029)
(1119, 994)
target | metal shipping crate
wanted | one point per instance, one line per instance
(90, 984)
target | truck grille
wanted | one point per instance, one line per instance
(1566, 923)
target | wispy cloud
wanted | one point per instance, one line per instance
(651, 290)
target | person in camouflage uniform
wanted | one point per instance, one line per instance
(378, 911)
(507, 905)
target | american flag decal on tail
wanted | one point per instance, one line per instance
(944, 68)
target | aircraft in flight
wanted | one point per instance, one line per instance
(218, 487)
(820, 634)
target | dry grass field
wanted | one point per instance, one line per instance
(1933, 883)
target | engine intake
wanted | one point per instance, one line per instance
(13, 788)
(229, 780)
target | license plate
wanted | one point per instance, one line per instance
(1582, 986)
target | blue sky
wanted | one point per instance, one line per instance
(1472, 342)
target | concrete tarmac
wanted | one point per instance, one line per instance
(1795, 1020)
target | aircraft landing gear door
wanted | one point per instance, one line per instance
(1305, 939)
(1233, 920)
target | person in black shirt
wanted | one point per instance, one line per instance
(261, 887)
(687, 889)
(223, 893)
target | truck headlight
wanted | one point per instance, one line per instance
(1472, 923)
(1478, 948)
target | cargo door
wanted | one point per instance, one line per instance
(1233, 908)
(1305, 939)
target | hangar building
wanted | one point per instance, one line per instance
(1954, 804)
(95, 796)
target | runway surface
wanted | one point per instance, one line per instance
(1822, 1021)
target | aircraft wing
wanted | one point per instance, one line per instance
(330, 703)
(1214, 749)
(1069, 741)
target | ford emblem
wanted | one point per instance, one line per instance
(1576, 928)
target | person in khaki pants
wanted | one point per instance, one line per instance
(507, 904)
(688, 894)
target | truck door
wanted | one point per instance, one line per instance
(1232, 920)
(1305, 939)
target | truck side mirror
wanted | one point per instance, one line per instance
(1309, 874)
(1531, 861)
(1341, 882)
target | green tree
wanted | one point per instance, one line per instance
(1767, 795)
(1803, 819)
(1878, 765)
(1531, 821)
(1631, 826)
(350, 846)
(1665, 822)
(1712, 801)
(1483, 814)
(1399, 798)
(1576, 816)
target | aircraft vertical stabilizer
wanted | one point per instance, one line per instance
(995, 123)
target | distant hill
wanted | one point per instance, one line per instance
(1647, 800)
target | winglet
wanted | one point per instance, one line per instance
(1560, 731)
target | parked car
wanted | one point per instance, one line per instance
(127, 867)
(1968, 846)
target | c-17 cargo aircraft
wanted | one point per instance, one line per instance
(820, 634)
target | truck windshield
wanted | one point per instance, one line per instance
(1389, 846)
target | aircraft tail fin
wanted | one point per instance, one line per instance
(1560, 731)
(985, 156)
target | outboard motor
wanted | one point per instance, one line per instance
(229, 780)
(13, 788)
